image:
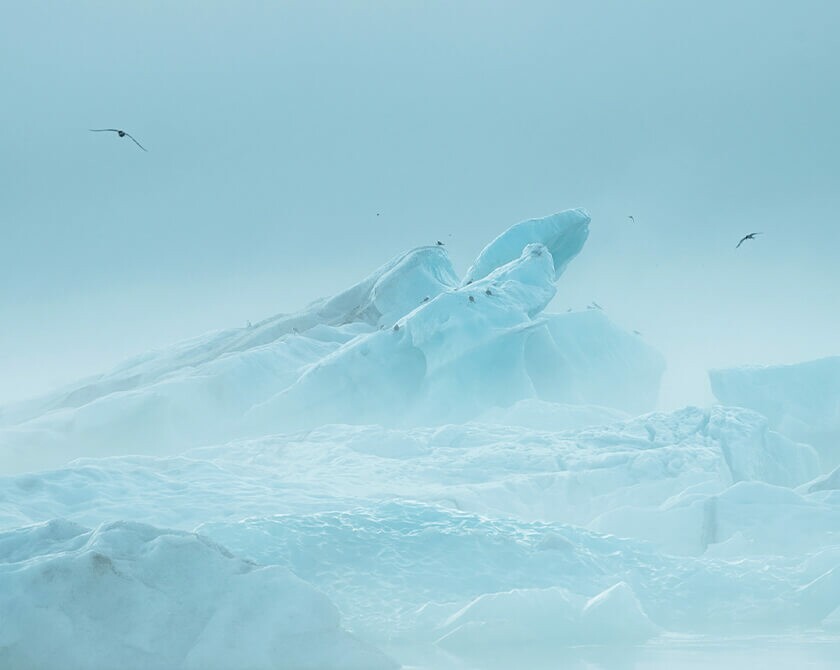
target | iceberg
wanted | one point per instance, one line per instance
(409, 345)
(801, 401)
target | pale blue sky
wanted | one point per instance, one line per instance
(276, 131)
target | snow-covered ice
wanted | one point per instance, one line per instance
(422, 467)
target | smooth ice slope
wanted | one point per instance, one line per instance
(128, 595)
(408, 345)
(802, 400)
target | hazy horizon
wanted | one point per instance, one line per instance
(276, 132)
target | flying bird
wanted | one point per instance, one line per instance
(119, 132)
(632, 220)
(751, 236)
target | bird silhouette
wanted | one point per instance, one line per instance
(119, 132)
(751, 236)
(439, 243)
(632, 220)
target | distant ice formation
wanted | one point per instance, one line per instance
(802, 400)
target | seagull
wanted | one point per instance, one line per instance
(632, 220)
(119, 132)
(751, 236)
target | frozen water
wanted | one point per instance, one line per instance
(429, 466)
(802, 401)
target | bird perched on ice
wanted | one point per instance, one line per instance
(119, 132)
(439, 243)
(751, 236)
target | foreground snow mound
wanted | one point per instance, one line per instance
(128, 595)
(407, 346)
(802, 400)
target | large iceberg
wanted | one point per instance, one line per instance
(802, 400)
(408, 345)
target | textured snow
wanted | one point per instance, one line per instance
(802, 400)
(435, 467)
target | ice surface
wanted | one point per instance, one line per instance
(802, 400)
(431, 466)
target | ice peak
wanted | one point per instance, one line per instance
(563, 235)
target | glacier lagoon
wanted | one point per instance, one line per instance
(424, 470)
